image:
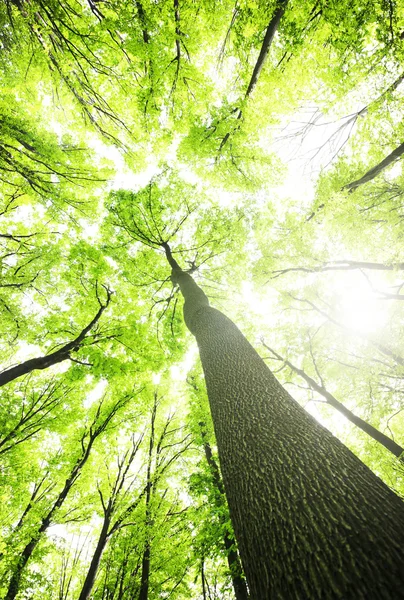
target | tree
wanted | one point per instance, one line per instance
(377, 169)
(87, 439)
(109, 508)
(239, 584)
(20, 423)
(257, 425)
(188, 103)
(247, 402)
(123, 500)
(216, 497)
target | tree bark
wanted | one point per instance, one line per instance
(374, 433)
(145, 572)
(95, 561)
(377, 169)
(311, 520)
(266, 44)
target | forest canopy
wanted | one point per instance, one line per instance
(253, 149)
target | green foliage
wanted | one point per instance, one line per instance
(123, 126)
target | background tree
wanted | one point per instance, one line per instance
(86, 442)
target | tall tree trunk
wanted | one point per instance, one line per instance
(144, 582)
(266, 45)
(26, 554)
(374, 433)
(311, 520)
(142, 19)
(377, 169)
(233, 559)
(203, 580)
(95, 561)
(145, 573)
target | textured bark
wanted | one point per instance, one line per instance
(377, 169)
(233, 559)
(311, 520)
(374, 433)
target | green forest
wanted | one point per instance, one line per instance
(201, 300)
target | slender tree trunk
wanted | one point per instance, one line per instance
(144, 583)
(39, 363)
(203, 581)
(377, 435)
(266, 44)
(377, 169)
(33, 498)
(233, 559)
(95, 561)
(23, 559)
(26, 554)
(311, 520)
(145, 573)
(142, 19)
(121, 576)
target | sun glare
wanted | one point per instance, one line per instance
(95, 394)
(360, 309)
